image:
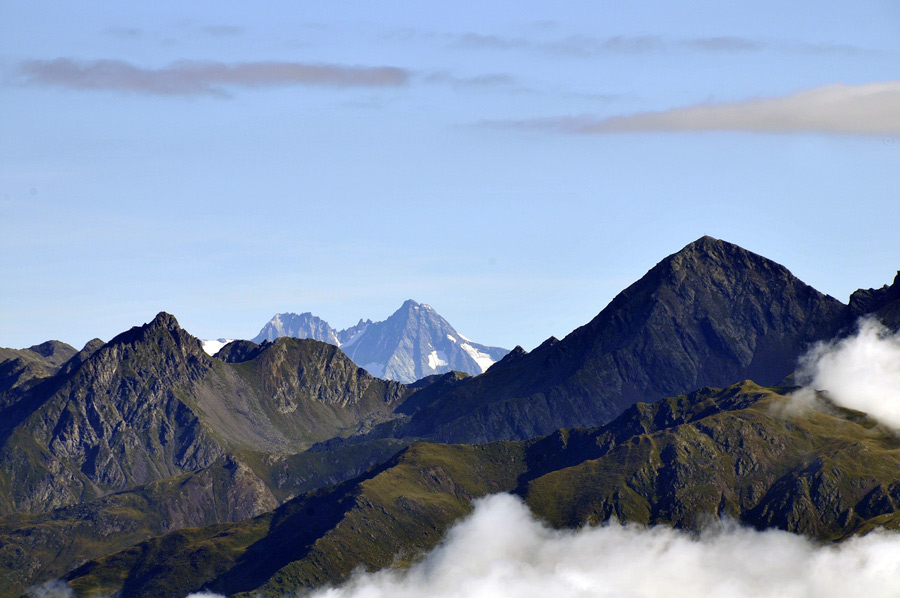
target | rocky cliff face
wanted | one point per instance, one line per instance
(117, 420)
(151, 404)
(706, 316)
(883, 303)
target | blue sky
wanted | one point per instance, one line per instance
(512, 165)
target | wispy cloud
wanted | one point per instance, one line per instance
(870, 109)
(586, 46)
(202, 78)
(50, 589)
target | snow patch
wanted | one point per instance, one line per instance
(436, 359)
(211, 347)
(483, 360)
(452, 340)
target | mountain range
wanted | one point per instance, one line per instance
(414, 342)
(144, 466)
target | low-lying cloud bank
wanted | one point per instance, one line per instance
(210, 78)
(870, 109)
(501, 551)
(860, 372)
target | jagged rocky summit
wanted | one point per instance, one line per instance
(414, 342)
(150, 404)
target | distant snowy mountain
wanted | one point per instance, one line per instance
(414, 342)
(303, 325)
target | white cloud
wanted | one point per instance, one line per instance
(860, 372)
(502, 551)
(870, 109)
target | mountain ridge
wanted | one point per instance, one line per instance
(150, 404)
(707, 315)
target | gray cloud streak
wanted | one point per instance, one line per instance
(585, 46)
(202, 78)
(870, 109)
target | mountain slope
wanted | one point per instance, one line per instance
(151, 404)
(414, 342)
(736, 452)
(18, 367)
(38, 548)
(43, 547)
(708, 315)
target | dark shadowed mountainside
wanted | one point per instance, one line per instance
(708, 315)
(883, 303)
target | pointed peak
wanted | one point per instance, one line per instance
(517, 351)
(164, 324)
(164, 320)
(410, 303)
(711, 252)
(707, 240)
(707, 245)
